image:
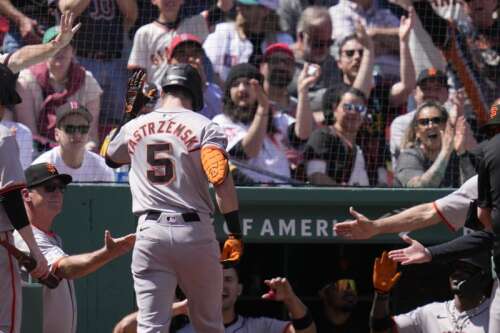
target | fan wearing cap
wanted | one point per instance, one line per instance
(152, 41)
(73, 123)
(43, 200)
(244, 41)
(12, 212)
(469, 310)
(47, 85)
(174, 153)
(187, 49)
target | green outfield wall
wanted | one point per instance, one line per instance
(269, 215)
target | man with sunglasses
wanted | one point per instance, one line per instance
(12, 212)
(72, 133)
(313, 41)
(43, 199)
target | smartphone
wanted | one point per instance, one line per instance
(312, 70)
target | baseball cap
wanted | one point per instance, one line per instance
(51, 33)
(8, 93)
(181, 39)
(278, 47)
(432, 73)
(72, 108)
(494, 117)
(37, 174)
(271, 4)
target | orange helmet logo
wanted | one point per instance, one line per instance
(432, 71)
(493, 112)
(51, 168)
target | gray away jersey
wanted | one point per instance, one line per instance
(11, 172)
(163, 148)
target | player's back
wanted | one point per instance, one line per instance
(166, 171)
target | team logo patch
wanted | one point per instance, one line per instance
(493, 111)
(51, 168)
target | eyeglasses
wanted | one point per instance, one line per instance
(52, 187)
(428, 121)
(350, 53)
(72, 129)
(354, 107)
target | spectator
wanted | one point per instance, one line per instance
(380, 24)
(432, 156)
(46, 86)
(332, 155)
(27, 21)
(244, 41)
(258, 134)
(468, 311)
(290, 11)
(471, 48)
(340, 314)
(24, 140)
(385, 98)
(431, 86)
(280, 290)
(314, 39)
(187, 48)
(72, 128)
(151, 42)
(99, 47)
(43, 199)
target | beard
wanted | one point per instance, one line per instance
(243, 114)
(280, 78)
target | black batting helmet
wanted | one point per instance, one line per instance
(8, 94)
(187, 77)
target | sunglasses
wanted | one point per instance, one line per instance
(52, 187)
(428, 121)
(72, 129)
(345, 284)
(354, 107)
(350, 53)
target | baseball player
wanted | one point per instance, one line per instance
(174, 154)
(468, 311)
(12, 212)
(43, 199)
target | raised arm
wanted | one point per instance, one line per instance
(76, 266)
(75, 6)
(130, 11)
(304, 117)
(364, 79)
(33, 54)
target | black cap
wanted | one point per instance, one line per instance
(241, 70)
(37, 174)
(72, 108)
(432, 73)
(187, 77)
(8, 93)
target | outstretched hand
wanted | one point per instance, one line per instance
(118, 246)
(279, 289)
(385, 273)
(360, 228)
(406, 25)
(413, 254)
(67, 29)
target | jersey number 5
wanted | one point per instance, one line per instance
(163, 167)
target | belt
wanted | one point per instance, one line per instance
(99, 55)
(187, 217)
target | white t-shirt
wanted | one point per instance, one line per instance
(225, 48)
(272, 156)
(93, 169)
(249, 325)
(59, 304)
(444, 317)
(152, 40)
(24, 139)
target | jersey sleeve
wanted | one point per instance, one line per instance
(50, 251)
(118, 147)
(454, 207)
(214, 136)
(409, 166)
(409, 322)
(484, 186)
(11, 172)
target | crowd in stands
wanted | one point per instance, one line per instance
(321, 92)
